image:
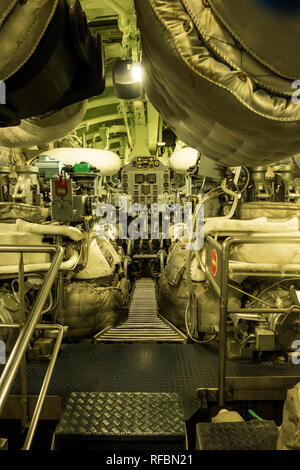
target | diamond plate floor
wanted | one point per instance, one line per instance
(251, 435)
(121, 420)
(180, 368)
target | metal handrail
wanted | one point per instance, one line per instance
(17, 354)
(44, 388)
(43, 391)
(222, 292)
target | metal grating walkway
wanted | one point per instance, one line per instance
(144, 323)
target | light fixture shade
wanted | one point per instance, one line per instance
(127, 80)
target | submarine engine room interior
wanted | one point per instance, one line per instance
(149, 225)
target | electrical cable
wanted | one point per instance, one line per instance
(192, 304)
(249, 295)
(235, 196)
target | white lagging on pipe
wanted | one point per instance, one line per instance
(70, 232)
(221, 224)
(68, 265)
(124, 23)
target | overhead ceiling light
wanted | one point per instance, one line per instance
(136, 72)
(127, 78)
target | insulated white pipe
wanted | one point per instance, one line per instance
(68, 265)
(124, 23)
(242, 267)
(220, 224)
(51, 229)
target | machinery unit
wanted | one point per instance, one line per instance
(149, 226)
(73, 197)
(249, 259)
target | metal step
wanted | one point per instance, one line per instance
(247, 435)
(144, 324)
(121, 421)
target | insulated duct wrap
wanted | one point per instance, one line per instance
(173, 292)
(50, 61)
(29, 22)
(44, 129)
(222, 82)
(87, 309)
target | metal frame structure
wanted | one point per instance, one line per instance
(219, 283)
(42, 395)
(17, 358)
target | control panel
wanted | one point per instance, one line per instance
(146, 180)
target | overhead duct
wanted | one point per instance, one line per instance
(221, 78)
(49, 58)
(43, 129)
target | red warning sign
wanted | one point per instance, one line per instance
(214, 262)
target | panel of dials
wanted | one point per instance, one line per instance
(145, 179)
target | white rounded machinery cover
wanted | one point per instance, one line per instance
(184, 160)
(107, 162)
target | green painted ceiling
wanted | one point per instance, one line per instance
(111, 123)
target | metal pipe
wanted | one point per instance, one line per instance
(51, 229)
(162, 255)
(265, 311)
(239, 266)
(67, 265)
(146, 256)
(25, 335)
(213, 283)
(23, 362)
(10, 325)
(124, 114)
(44, 388)
(263, 274)
(223, 329)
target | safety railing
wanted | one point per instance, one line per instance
(218, 272)
(27, 327)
